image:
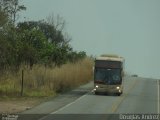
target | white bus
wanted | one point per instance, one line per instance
(109, 74)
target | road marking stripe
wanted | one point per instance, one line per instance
(117, 103)
(158, 83)
(69, 104)
(43, 118)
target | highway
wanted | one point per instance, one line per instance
(140, 96)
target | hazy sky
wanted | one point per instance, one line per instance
(130, 28)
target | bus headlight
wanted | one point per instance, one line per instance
(118, 87)
(96, 86)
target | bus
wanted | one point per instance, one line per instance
(109, 74)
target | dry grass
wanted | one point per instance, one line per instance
(41, 81)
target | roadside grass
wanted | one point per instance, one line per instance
(42, 81)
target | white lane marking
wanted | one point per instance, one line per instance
(158, 96)
(43, 118)
(69, 104)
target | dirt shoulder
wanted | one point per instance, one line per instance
(16, 105)
(42, 105)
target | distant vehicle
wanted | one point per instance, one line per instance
(134, 75)
(109, 74)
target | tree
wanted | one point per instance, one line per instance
(9, 38)
(33, 42)
(3, 18)
(32, 46)
(54, 36)
(7, 51)
(57, 45)
(12, 8)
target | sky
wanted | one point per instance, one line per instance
(129, 28)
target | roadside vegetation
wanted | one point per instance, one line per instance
(42, 50)
(43, 82)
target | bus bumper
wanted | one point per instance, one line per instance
(109, 89)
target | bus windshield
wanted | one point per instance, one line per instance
(108, 76)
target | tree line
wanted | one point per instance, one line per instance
(33, 42)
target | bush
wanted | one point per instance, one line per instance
(44, 81)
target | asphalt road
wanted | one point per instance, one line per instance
(141, 96)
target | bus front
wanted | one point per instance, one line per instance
(108, 76)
